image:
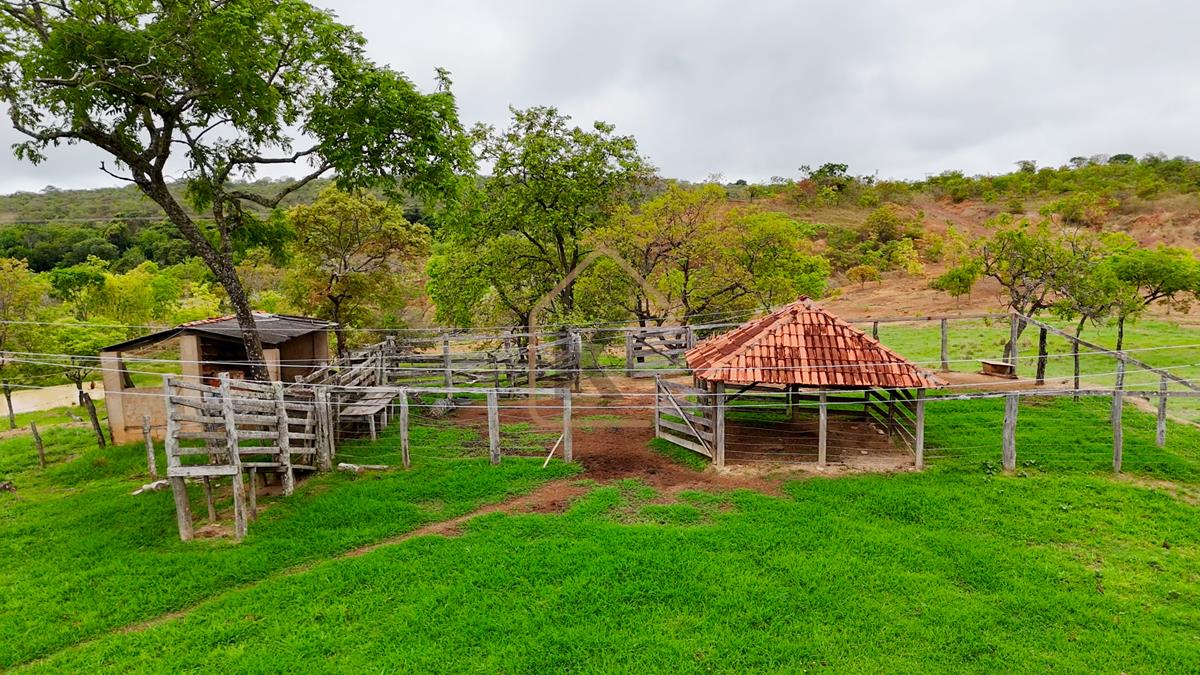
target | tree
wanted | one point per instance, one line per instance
(525, 226)
(21, 295)
(213, 90)
(350, 249)
(78, 347)
(1166, 275)
(861, 274)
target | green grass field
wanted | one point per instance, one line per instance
(1061, 566)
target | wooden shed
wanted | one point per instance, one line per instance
(292, 345)
(801, 384)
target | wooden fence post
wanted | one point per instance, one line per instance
(568, 444)
(1160, 436)
(719, 424)
(1117, 405)
(1042, 358)
(1013, 333)
(446, 362)
(628, 353)
(86, 398)
(283, 422)
(919, 436)
(231, 447)
(1009, 458)
(404, 428)
(328, 433)
(151, 463)
(945, 345)
(37, 443)
(183, 509)
(657, 404)
(822, 428)
(577, 348)
(875, 330)
(493, 422)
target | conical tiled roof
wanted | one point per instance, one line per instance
(802, 344)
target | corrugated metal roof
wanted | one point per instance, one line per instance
(272, 329)
(802, 344)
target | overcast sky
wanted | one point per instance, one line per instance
(756, 88)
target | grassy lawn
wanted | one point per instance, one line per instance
(1060, 566)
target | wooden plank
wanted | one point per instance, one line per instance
(945, 328)
(682, 415)
(1009, 449)
(685, 443)
(148, 438)
(201, 470)
(493, 422)
(685, 430)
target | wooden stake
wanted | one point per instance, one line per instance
(37, 442)
(568, 448)
(945, 345)
(151, 463)
(628, 353)
(719, 424)
(209, 500)
(1117, 404)
(183, 509)
(1160, 436)
(253, 495)
(1041, 361)
(822, 428)
(1009, 459)
(493, 421)
(657, 404)
(404, 428)
(875, 330)
(283, 424)
(449, 375)
(231, 447)
(920, 430)
(86, 399)
(12, 416)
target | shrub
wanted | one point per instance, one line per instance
(861, 274)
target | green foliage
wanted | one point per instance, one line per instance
(958, 280)
(526, 235)
(861, 274)
(351, 255)
(21, 297)
(1082, 208)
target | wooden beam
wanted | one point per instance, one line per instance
(151, 463)
(493, 421)
(719, 424)
(945, 345)
(1160, 436)
(568, 446)
(285, 445)
(822, 430)
(1009, 450)
(231, 447)
(183, 509)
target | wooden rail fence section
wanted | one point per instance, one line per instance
(647, 348)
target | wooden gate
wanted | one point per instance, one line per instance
(690, 418)
(656, 347)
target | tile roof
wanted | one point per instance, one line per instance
(802, 344)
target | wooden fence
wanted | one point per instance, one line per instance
(691, 418)
(651, 347)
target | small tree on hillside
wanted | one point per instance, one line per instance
(21, 295)
(861, 274)
(349, 251)
(1165, 275)
(213, 90)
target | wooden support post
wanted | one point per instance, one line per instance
(209, 500)
(919, 435)
(12, 416)
(1042, 358)
(1160, 435)
(327, 435)
(37, 444)
(86, 399)
(577, 353)
(1013, 332)
(719, 424)
(183, 509)
(1117, 404)
(371, 425)
(285, 444)
(891, 412)
(875, 330)
(1009, 450)
(253, 495)
(657, 404)
(151, 463)
(568, 446)
(449, 376)
(404, 428)
(231, 447)
(822, 428)
(629, 353)
(493, 421)
(945, 345)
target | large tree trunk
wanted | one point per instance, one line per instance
(220, 264)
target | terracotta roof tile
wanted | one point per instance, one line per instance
(802, 344)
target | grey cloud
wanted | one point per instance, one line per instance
(755, 89)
